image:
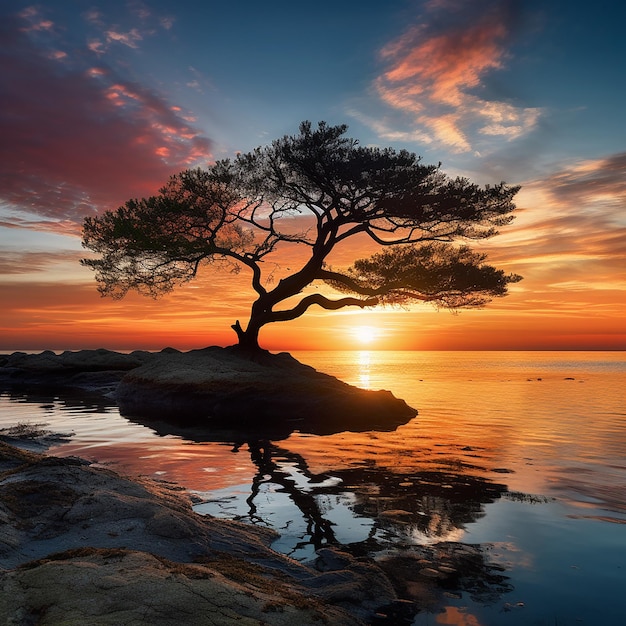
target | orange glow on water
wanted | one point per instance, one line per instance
(453, 616)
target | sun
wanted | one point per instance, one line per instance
(365, 334)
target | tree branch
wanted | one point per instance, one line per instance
(322, 301)
(351, 284)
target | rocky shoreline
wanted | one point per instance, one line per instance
(83, 545)
(213, 387)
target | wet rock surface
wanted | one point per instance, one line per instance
(80, 544)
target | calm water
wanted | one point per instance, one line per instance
(520, 453)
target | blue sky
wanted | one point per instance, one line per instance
(102, 101)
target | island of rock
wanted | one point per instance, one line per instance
(212, 387)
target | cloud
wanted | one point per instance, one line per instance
(130, 39)
(17, 263)
(145, 24)
(55, 226)
(436, 69)
(600, 183)
(76, 135)
(570, 230)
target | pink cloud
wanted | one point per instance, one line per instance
(33, 21)
(130, 39)
(54, 226)
(433, 74)
(69, 146)
(447, 64)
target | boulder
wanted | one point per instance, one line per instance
(215, 388)
(221, 387)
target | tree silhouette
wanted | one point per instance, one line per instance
(314, 190)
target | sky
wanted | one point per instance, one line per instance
(101, 101)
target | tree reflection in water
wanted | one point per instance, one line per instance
(319, 529)
(420, 508)
(411, 521)
(414, 520)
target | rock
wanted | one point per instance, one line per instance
(33, 437)
(424, 574)
(96, 371)
(80, 361)
(222, 386)
(214, 387)
(83, 545)
(429, 572)
(397, 613)
(396, 514)
(47, 361)
(56, 504)
(350, 583)
(112, 587)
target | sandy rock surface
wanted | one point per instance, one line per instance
(113, 587)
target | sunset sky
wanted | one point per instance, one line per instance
(103, 100)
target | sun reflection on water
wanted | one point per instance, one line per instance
(364, 361)
(521, 452)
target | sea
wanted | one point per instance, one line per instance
(520, 456)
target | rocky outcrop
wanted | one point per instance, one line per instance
(112, 587)
(79, 361)
(223, 386)
(96, 371)
(215, 387)
(82, 545)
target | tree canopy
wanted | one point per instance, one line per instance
(314, 190)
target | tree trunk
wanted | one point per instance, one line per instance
(249, 338)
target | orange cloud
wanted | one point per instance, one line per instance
(433, 75)
(19, 263)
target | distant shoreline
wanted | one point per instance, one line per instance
(10, 351)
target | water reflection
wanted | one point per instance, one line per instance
(402, 517)
(284, 474)
(368, 508)
(364, 360)
(359, 503)
(377, 505)
(556, 421)
(49, 399)
(412, 523)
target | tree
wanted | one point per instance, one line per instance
(313, 190)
